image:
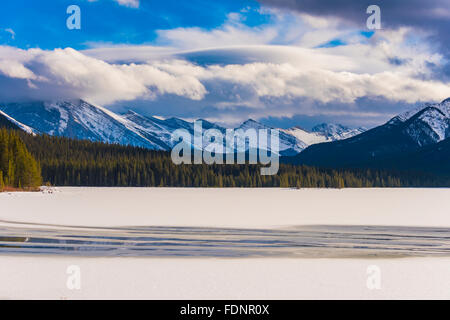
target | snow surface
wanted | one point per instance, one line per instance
(228, 207)
(308, 138)
(41, 277)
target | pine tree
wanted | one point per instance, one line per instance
(2, 184)
(19, 168)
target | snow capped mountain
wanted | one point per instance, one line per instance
(81, 120)
(427, 124)
(252, 124)
(289, 144)
(323, 133)
(305, 136)
(78, 119)
(156, 129)
(335, 132)
(406, 133)
(444, 107)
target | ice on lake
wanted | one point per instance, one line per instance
(326, 241)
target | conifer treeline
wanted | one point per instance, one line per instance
(18, 168)
(67, 162)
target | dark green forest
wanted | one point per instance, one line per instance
(18, 168)
(68, 162)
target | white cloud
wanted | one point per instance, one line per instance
(67, 72)
(15, 69)
(129, 3)
(285, 80)
(11, 32)
(231, 34)
(285, 28)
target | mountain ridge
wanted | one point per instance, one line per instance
(79, 119)
(406, 133)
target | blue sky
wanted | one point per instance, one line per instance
(43, 23)
(281, 62)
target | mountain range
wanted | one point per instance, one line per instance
(79, 119)
(417, 139)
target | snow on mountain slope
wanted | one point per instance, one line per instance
(288, 145)
(153, 128)
(161, 130)
(19, 124)
(443, 106)
(405, 134)
(427, 124)
(252, 124)
(323, 133)
(78, 119)
(305, 136)
(337, 131)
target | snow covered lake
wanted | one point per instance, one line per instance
(225, 243)
(228, 207)
(295, 242)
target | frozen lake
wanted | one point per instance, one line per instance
(294, 242)
(229, 207)
(164, 222)
(158, 243)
